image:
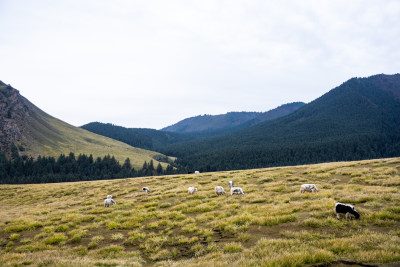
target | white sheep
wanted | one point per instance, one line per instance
(109, 201)
(236, 191)
(192, 189)
(146, 189)
(308, 188)
(219, 190)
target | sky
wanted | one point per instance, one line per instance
(150, 64)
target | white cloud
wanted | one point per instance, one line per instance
(152, 63)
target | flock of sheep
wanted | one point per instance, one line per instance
(340, 208)
(219, 190)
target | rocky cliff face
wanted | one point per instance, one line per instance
(13, 112)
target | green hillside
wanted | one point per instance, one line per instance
(356, 120)
(37, 133)
(198, 127)
(273, 224)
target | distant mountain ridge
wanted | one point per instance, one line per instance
(158, 140)
(359, 119)
(35, 133)
(229, 122)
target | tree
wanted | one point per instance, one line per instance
(159, 169)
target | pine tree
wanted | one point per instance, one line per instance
(159, 169)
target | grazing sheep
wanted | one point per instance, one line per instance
(196, 172)
(109, 201)
(146, 189)
(219, 190)
(346, 209)
(308, 188)
(192, 189)
(236, 191)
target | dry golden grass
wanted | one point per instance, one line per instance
(273, 224)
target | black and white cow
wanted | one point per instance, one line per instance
(345, 209)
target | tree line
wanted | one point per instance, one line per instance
(70, 168)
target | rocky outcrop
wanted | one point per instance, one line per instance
(13, 113)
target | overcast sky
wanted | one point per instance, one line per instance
(152, 63)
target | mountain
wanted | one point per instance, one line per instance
(359, 119)
(139, 137)
(35, 132)
(209, 125)
(188, 129)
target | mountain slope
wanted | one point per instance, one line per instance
(139, 137)
(357, 120)
(217, 125)
(209, 125)
(37, 133)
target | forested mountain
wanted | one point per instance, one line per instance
(157, 140)
(138, 137)
(360, 119)
(35, 133)
(210, 125)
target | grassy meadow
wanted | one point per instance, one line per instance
(273, 224)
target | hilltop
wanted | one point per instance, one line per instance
(273, 224)
(35, 133)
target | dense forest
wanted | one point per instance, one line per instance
(24, 170)
(213, 125)
(138, 137)
(358, 120)
(199, 127)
